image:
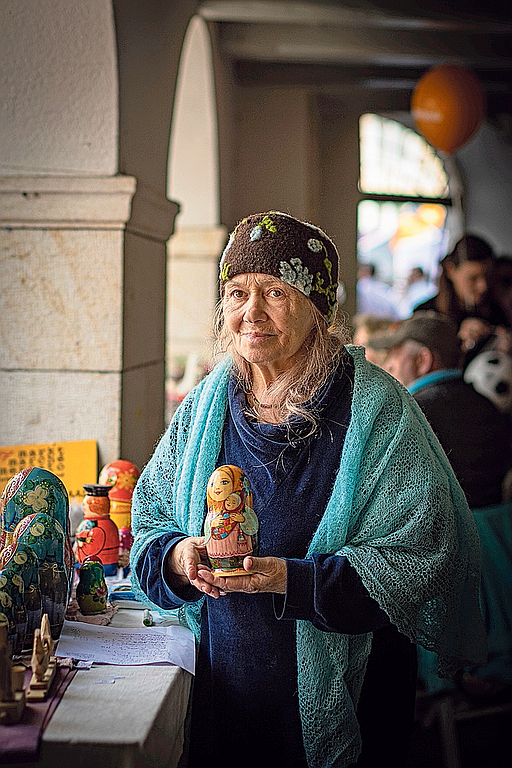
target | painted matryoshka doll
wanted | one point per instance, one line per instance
(44, 535)
(121, 476)
(230, 527)
(28, 492)
(34, 516)
(19, 579)
(91, 590)
(97, 535)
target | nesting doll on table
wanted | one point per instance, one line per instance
(91, 590)
(97, 535)
(231, 527)
(35, 553)
(121, 476)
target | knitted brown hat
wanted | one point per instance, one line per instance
(296, 252)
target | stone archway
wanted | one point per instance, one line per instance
(198, 238)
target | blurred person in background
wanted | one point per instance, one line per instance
(374, 296)
(424, 355)
(365, 328)
(465, 293)
(418, 289)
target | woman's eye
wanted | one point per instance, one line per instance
(276, 292)
(236, 293)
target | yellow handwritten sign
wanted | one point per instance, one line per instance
(75, 463)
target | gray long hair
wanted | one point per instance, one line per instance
(297, 385)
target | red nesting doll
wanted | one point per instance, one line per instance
(97, 534)
(121, 476)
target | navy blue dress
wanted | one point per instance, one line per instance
(245, 699)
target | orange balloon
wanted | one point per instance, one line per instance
(447, 106)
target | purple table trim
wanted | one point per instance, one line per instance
(21, 743)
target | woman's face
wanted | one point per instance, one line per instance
(470, 281)
(220, 485)
(269, 320)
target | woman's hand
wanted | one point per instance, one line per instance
(265, 574)
(185, 564)
(471, 330)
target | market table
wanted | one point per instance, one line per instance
(137, 721)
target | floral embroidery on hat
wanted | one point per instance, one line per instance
(296, 275)
(268, 224)
(256, 233)
(315, 245)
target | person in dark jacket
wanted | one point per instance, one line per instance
(425, 356)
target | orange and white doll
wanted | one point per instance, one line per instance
(231, 527)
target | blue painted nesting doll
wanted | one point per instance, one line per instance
(91, 590)
(20, 597)
(34, 513)
(231, 527)
(45, 536)
(29, 491)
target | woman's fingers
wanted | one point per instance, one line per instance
(264, 574)
(186, 555)
(203, 581)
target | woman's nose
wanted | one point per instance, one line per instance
(254, 309)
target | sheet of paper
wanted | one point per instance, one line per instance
(133, 646)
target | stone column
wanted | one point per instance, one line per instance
(78, 359)
(193, 279)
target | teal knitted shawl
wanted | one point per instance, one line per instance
(396, 512)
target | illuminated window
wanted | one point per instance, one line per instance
(403, 216)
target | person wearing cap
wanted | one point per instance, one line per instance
(424, 355)
(367, 545)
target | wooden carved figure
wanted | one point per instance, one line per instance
(12, 695)
(91, 590)
(231, 527)
(42, 663)
(40, 657)
(46, 636)
(98, 535)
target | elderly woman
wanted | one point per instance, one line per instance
(364, 531)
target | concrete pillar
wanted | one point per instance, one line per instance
(84, 141)
(61, 271)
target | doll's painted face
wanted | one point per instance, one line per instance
(232, 501)
(220, 485)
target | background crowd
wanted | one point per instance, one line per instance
(452, 350)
